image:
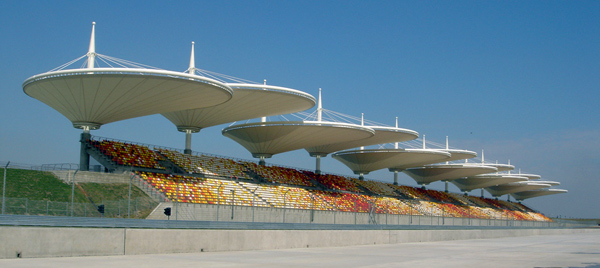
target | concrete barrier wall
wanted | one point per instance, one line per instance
(89, 176)
(35, 242)
(190, 241)
(31, 242)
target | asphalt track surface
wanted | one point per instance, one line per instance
(574, 250)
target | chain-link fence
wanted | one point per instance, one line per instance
(135, 208)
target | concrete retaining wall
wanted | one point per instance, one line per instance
(89, 176)
(31, 242)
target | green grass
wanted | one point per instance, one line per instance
(38, 185)
(44, 186)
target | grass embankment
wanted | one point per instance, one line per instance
(44, 186)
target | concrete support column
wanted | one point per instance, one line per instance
(84, 156)
(188, 142)
(318, 167)
(395, 177)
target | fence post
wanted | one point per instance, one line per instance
(4, 188)
(73, 192)
(355, 210)
(129, 198)
(47, 205)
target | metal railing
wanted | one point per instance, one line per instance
(228, 213)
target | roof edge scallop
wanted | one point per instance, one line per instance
(129, 71)
(274, 89)
(297, 123)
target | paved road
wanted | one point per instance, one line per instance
(576, 250)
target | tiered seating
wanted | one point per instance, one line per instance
(481, 202)
(203, 190)
(282, 175)
(184, 161)
(460, 199)
(280, 196)
(344, 193)
(427, 208)
(376, 187)
(481, 213)
(451, 210)
(438, 196)
(392, 206)
(538, 217)
(335, 182)
(202, 164)
(509, 205)
(222, 166)
(343, 201)
(189, 189)
(127, 154)
(411, 192)
(523, 207)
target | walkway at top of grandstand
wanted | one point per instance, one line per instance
(311, 132)
(93, 95)
(250, 100)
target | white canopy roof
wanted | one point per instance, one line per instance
(103, 95)
(515, 187)
(265, 139)
(537, 193)
(485, 180)
(365, 161)
(446, 172)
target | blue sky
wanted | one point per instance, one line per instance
(519, 79)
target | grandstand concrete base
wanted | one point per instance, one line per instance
(32, 242)
(226, 213)
(90, 176)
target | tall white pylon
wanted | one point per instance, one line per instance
(92, 50)
(192, 61)
(264, 118)
(319, 108)
(396, 147)
(396, 144)
(188, 132)
(362, 123)
(482, 157)
(447, 148)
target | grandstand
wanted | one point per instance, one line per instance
(217, 180)
(197, 99)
